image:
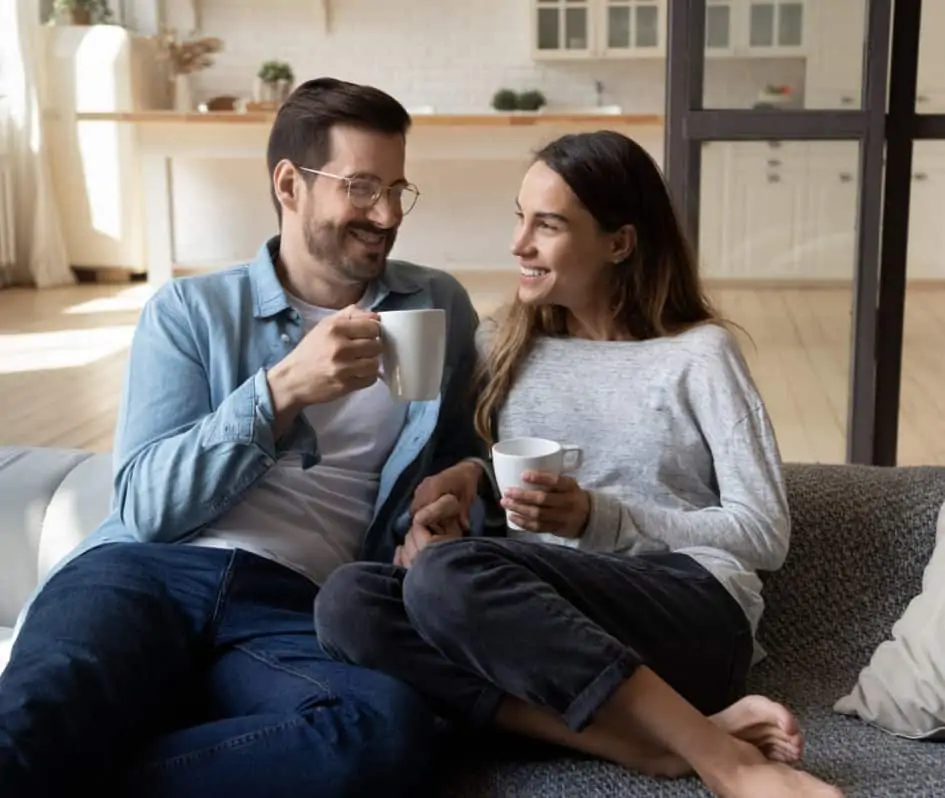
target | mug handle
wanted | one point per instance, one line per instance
(572, 457)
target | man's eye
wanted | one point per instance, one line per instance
(363, 188)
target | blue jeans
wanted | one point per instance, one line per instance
(154, 670)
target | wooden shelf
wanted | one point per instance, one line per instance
(482, 119)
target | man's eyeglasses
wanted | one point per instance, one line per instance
(364, 192)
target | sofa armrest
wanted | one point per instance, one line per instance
(29, 480)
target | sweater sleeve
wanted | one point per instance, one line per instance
(751, 521)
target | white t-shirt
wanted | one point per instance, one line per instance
(312, 520)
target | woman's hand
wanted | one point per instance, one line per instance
(460, 480)
(557, 504)
(435, 523)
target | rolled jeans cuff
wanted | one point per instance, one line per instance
(582, 710)
(486, 706)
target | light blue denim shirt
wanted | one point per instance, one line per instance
(194, 428)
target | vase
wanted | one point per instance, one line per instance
(81, 16)
(183, 94)
(283, 88)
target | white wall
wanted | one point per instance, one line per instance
(451, 54)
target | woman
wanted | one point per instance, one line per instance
(632, 642)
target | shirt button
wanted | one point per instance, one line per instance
(285, 338)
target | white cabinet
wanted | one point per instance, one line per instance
(570, 29)
(562, 28)
(633, 28)
(788, 211)
(774, 27)
(926, 257)
(829, 236)
(713, 206)
(764, 217)
(720, 27)
(778, 211)
(835, 64)
(756, 28)
(637, 28)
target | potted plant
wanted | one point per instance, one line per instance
(82, 12)
(532, 100)
(274, 82)
(504, 100)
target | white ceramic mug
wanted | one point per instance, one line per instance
(414, 352)
(513, 457)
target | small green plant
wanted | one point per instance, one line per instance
(274, 71)
(504, 100)
(83, 12)
(531, 100)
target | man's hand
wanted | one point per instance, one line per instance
(338, 356)
(557, 505)
(460, 481)
(435, 523)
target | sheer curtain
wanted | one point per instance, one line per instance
(41, 257)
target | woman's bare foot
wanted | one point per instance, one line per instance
(757, 776)
(767, 725)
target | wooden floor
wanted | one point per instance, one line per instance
(63, 354)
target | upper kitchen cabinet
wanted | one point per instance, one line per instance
(634, 28)
(745, 28)
(720, 27)
(598, 28)
(562, 28)
(775, 27)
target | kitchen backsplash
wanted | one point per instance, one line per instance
(449, 55)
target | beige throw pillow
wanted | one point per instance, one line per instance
(902, 690)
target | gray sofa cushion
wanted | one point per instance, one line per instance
(861, 539)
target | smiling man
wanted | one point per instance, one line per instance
(173, 653)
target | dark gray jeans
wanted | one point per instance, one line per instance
(477, 619)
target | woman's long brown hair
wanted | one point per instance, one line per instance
(657, 290)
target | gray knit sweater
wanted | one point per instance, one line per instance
(678, 450)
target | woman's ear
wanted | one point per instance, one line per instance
(624, 242)
(287, 184)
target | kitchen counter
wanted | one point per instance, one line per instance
(489, 119)
(186, 167)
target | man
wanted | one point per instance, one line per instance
(255, 436)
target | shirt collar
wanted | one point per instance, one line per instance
(269, 297)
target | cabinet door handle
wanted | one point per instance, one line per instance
(846, 99)
(774, 162)
(774, 178)
(774, 145)
(922, 98)
(845, 177)
(921, 176)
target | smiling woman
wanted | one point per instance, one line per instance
(631, 636)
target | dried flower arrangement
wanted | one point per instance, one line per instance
(190, 55)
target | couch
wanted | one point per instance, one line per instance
(861, 539)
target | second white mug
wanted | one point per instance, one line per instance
(513, 457)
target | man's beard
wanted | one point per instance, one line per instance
(330, 244)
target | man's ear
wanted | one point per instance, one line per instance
(287, 184)
(624, 242)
